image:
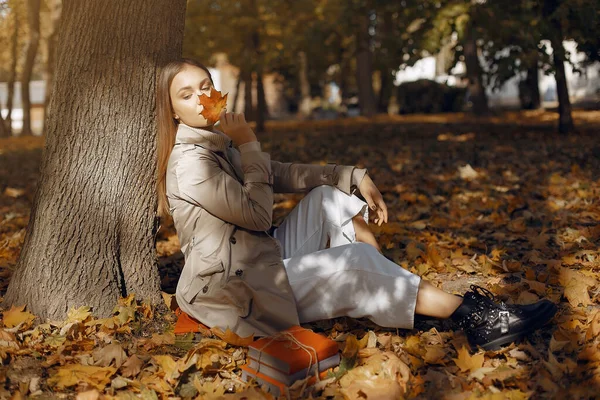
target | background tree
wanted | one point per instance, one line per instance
(33, 41)
(90, 237)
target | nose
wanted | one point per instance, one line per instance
(198, 100)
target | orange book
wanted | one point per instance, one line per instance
(281, 353)
(186, 323)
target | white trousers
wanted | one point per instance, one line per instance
(348, 279)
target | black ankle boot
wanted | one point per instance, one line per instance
(490, 323)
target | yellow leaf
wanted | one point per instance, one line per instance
(88, 395)
(351, 347)
(73, 374)
(466, 362)
(79, 314)
(132, 367)
(55, 340)
(232, 338)
(16, 316)
(168, 366)
(127, 301)
(125, 314)
(576, 286)
(435, 355)
(413, 251)
(105, 356)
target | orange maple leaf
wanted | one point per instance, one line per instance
(212, 105)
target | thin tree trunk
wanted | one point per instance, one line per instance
(385, 92)
(12, 77)
(565, 119)
(237, 92)
(33, 41)
(474, 74)
(55, 11)
(261, 103)
(304, 110)
(91, 232)
(248, 103)
(364, 69)
(529, 90)
(4, 132)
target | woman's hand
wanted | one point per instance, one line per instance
(374, 199)
(235, 126)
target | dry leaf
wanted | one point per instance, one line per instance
(132, 366)
(105, 356)
(212, 105)
(232, 338)
(73, 374)
(16, 316)
(466, 362)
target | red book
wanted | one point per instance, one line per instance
(282, 353)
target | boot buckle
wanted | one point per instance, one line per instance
(503, 315)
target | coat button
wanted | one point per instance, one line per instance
(232, 240)
(205, 289)
(239, 272)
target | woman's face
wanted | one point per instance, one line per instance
(185, 88)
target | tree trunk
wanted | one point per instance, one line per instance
(248, 106)
(261, 103)
(565, 119)
(33, 41)
(385, 92)
(529, 90)
(364, 69)
(55, 9)
(4, 132)
(237, 92)
(14, 51)
(304, 110)
(475, 86)
(91, 232)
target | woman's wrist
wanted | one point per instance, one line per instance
(249, 146)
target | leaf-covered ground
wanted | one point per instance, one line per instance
(502, 202)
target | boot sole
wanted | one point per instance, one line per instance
(498, 343)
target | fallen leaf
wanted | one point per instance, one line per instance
(106, 355)
(232, 338)
(73, 374)
(466, 362)
(16, 316)
(132, 367)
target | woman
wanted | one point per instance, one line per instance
(243, 274)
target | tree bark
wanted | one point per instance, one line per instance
(529, 90)
(304, 110)
(55, 11)
(248, 103)
(33, 41)
(565, 119)
(474, 75)
(237, 92)
(92, 228)
(364, 68)
(14, 51)
(385, 92)
(261, 103)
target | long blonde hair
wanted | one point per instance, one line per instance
(167, 126)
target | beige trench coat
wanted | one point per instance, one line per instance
(221, 201)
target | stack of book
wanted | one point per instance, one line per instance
(276, 362)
